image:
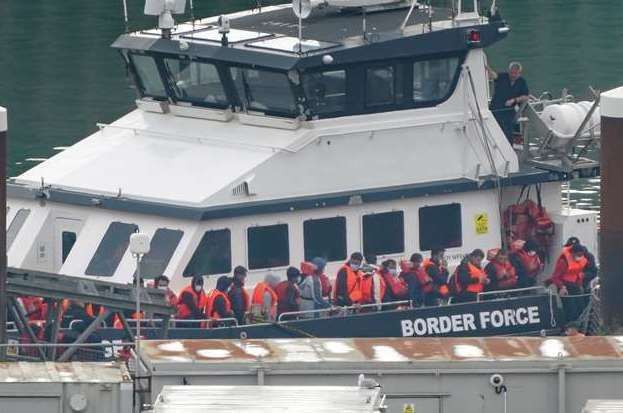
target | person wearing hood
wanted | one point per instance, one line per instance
(264, 299)
(238, 295)
(217, 303)
(347, 290)
(288, 292)
(311, 287)
(192, 301)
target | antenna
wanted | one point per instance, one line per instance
(165, 9)
(125, 15)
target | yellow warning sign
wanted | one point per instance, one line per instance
(408, 408)
(481, 223)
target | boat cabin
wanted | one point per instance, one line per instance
(253, 145)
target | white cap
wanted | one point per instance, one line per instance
(4, 124)
(611, 104)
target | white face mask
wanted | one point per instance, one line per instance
(355, 267)
(198, 288)
(532, 253)
(163, 287)
(577, 258)
(393, 271)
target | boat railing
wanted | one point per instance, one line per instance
(514, 291)
(172, 322)
(342, 309)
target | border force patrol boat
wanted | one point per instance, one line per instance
(278, 134)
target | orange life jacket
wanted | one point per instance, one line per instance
(326, 285)
(212, 296)
(368, 286)
(505, 274)
(575, 269)
(397, 286)
(93, 310)
(257, 299)
(199, 299)
(425, 282)
(475, 273)
(531, 264)
(119, 325)
(353, 284)
(441, 285)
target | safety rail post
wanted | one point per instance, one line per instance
(3, 258)
(611, 223)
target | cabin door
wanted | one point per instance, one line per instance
(66, 232)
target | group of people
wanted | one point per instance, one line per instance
(362, 283)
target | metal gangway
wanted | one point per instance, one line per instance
(114, 298)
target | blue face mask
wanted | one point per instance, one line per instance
(354, 266)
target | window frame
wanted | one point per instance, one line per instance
(395, 68)
(453, 83)
(16, 226)
(404, 232)
(63, 255)
(170, 253)
(221, 73)
(186, 274)
(97, 253)
(426, 246)
(294, 89)
(314, 114)
(329, 259)
(137, 79)
(248, 245)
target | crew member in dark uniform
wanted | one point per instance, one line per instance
(511, 90)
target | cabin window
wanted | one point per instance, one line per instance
(68, 239)
(440, 227)
(325, 91)
(149, 80)
(16, 225)
(161, 249)
(383, 233)
(268, 247)
(264, 91)
(380, 86)
(196, 82)
(111, 249)
(212, 256)
(432, 79)
(325, 238)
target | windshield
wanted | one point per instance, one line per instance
(264, 91)
(196, 82)
(325, 91)
(432, 79)
(149, 80)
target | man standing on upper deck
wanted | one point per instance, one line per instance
(511, 90)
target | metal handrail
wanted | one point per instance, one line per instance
(172, 321)
(515, 290)
(344, 308)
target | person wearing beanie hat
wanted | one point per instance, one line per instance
(288, 292)
(218, 305)
(348, 282)
(311, 288)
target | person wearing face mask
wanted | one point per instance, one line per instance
(527, 262)
(238, 295)
(192, 301)
(568, 278)
(591, 270)
(311, 287)
(396, 288)
(288, 292)
(162, 283)
(470, 277)
(217, 303)
(347, 289)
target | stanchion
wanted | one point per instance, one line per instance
(611, 223)
(3, 259)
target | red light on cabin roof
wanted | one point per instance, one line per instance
(473, 36)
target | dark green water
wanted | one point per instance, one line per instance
(58, 77)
